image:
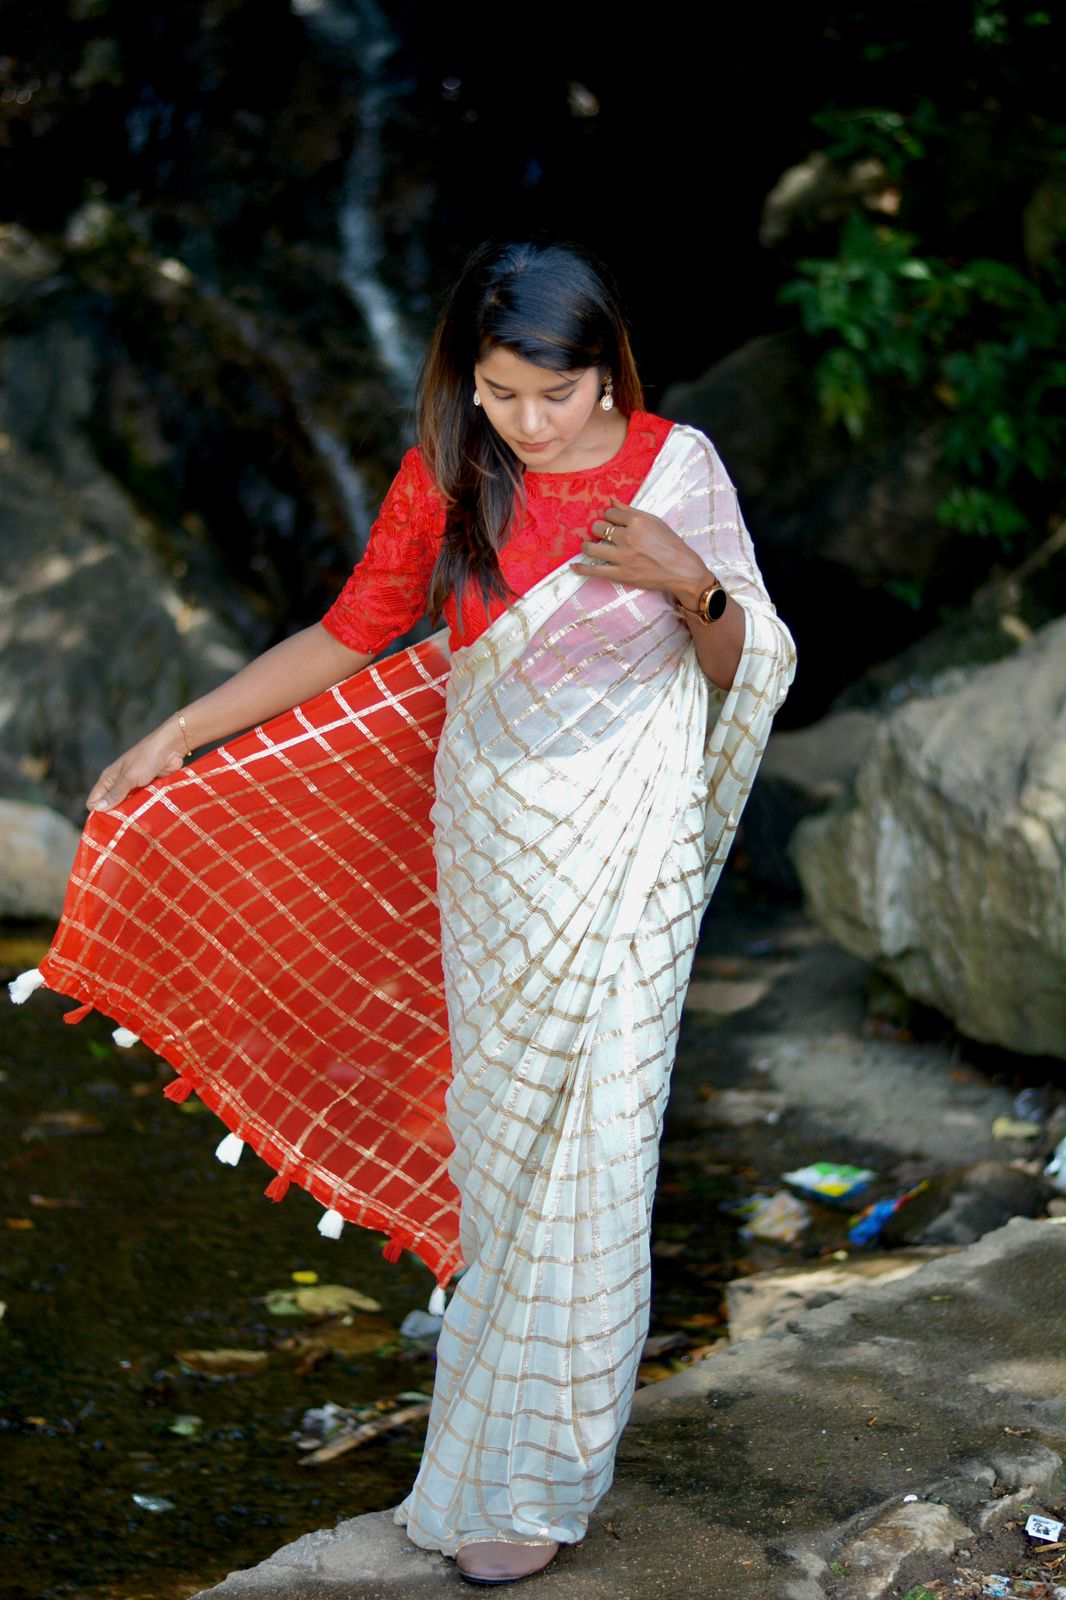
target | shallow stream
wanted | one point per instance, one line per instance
(124, 1242)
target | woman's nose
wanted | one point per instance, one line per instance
(531, 418)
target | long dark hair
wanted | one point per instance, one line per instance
(552, 304)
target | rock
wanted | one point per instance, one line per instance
(854, 518)
(739, 1108)
(97, 644)
(37, 848)
(944, 866)
(766, 1302)
(753, 1471)
(868, 511)
(875, 1557)
(801, 771)
(1044, 219)
(1001, 616)
(961, 1206)
(721, 997)
(817, 192)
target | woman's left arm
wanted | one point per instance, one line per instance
(634, 547)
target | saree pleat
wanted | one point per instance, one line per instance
(588, 783)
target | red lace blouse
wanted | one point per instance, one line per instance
(386, 593)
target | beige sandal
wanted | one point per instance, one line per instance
(504, 1560)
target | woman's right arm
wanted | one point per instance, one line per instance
(384, 596)
(285, 675)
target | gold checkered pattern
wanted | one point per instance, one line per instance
(589, 781)
(266, 920)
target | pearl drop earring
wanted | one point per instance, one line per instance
(477, 398)
(608, 394)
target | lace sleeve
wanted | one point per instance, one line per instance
(386, 593)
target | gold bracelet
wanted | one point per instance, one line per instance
(184, 733)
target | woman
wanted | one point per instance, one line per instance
(615, 665)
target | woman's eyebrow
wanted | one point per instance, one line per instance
(565, 383)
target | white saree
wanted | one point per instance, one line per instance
(588, 784)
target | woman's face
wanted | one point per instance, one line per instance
(544, 416)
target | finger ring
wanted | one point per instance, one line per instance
(607, 537)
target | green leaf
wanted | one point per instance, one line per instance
(186, 1425)
(910, 590)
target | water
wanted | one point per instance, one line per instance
(145, 1245)
(359, 31)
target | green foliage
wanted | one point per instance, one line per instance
(859, 133)
(983, 338)
(910, 590)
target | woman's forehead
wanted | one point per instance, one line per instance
(502, 366)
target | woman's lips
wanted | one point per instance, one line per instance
(531, 447)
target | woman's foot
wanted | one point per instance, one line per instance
(504, 1560)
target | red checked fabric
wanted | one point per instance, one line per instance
(386, 593)
(266, 920)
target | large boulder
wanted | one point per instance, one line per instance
(98, 639)
(37, 848)
(97, 642)
(805, 769)
(944, 864)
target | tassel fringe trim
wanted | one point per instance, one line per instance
(124, 1037)
(78, 1013)
(277, 1188)
(331, 1224)
(25, 984)
(438, 1300)
(229, 1150)
(179, 1090)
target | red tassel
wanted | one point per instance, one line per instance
(179, 1089)
(393, 1250)
(78, 1012)
(277, 1188)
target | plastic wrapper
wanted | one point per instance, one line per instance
(830, 1180)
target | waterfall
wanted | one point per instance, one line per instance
(358, 30)
(346, 475)
(332, 450)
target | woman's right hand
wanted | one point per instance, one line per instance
(158, 752)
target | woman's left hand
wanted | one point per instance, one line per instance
(634, 547)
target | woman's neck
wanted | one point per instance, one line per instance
(599, 442)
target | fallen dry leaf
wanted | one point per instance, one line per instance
(223, 1363)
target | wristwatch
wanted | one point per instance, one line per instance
(710, 605)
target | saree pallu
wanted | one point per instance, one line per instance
(423, 943)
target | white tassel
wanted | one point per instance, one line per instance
(125, 1037)
(229, 1150)
(23, 986)
(437, 1302)
(331, 1224)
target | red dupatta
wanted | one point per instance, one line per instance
(266, 920)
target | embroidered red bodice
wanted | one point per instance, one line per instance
(386, 593)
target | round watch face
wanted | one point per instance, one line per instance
(716, 604)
